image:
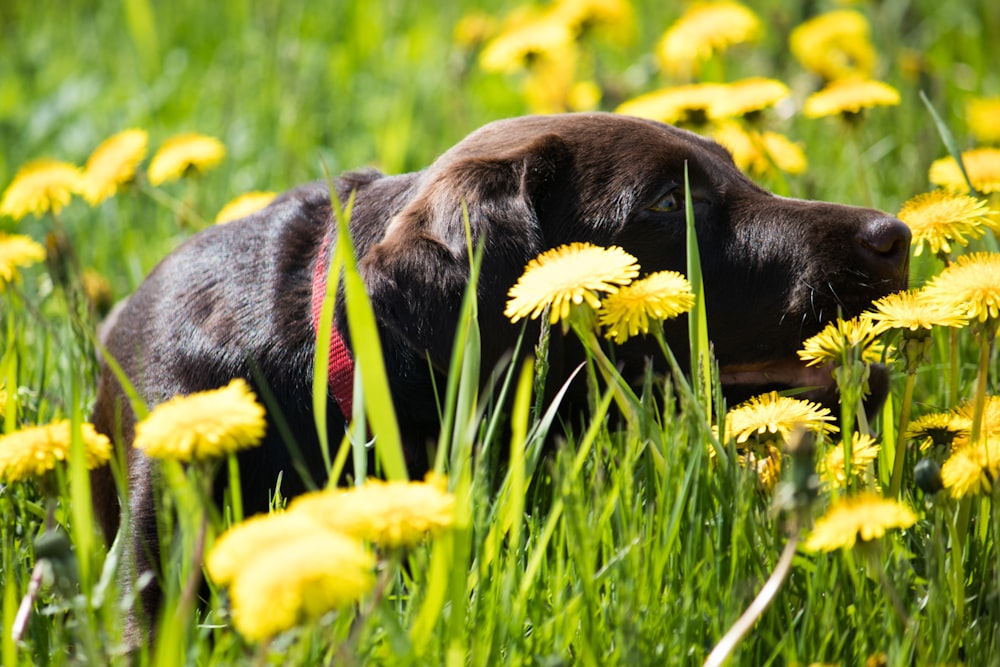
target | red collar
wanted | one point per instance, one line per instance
(341, 368)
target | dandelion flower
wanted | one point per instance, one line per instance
(183, 152)
(971, 283)
(34, 451)
(940, 218)
(474, 29)
(981, 164)
(849, 96)
(658, 296)
(203, 425)
(549, 82)
(766, 462)
(983, 117)
(525, 41)
(245, 540)
(568, 275)
(581, 15)
(912, 311)
(97, 289)
(962, 420)
(297, 580)
(758, 152)
(244, 205)
(834, 45)
(677, 105)
(17, 251)
(839, 338)
(388, 514)
(113, 163)
(864, 450)
(937, 429)
(866, 516)
(39, 187)
(747, 96)
(706, 28)
(584, 96)
(972, 469)
(773, 414)
(786, 154)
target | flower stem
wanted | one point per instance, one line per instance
(953, 369)
(982, 376)
(744, 623)
(904, 421)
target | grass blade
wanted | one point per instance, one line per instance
(701, 365)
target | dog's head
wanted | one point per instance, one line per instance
(775, 269)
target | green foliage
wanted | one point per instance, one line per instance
(632, 543)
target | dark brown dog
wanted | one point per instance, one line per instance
(235, 300)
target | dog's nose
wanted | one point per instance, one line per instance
(885, 245)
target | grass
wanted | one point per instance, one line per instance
(627, 546)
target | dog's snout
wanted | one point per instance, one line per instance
(885, 244)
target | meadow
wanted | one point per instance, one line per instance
(634, 541)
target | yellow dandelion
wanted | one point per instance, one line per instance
(97, 289)
(705, 28)
(184, 152)
(972, 469)
(983, 117)
(971, 284)
(34, 451)
(203, 425)
(39, 187)
(758, 153)
(244, 205)
(962, 421)
(613, 17)
(527, 38)
(677, 105)
(245, 540)
(786, 154)
(766, 461)
(839, 339)
(568, 275)
(866, 516)
(864, 451)
(17, 251)
(937, 429)
(549, 82)
(981, 164)
(772, 414)
(940, 218)
(474, 29)
(584, 96)
(849, 96)
(112, 164)
(747, 96)
(912, 311)
(298, 580)
(388, 514)
(658, 296)
(834, 45)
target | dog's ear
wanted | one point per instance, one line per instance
(416, 275)
(504, 194)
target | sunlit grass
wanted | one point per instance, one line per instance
(638, 540)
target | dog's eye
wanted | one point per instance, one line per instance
(673, 201)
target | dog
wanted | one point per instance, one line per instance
(238, 300)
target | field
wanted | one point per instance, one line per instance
(636, 540)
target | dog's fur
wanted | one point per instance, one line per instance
(234, 301)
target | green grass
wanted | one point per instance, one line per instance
(629, 546)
